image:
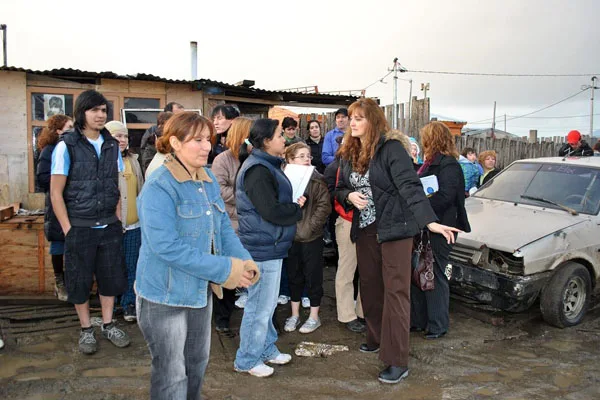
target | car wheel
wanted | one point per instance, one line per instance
(566, 297)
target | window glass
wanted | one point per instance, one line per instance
(36, 152)
(141, 117)
(576, 187)
(46, 105)
(135, 102)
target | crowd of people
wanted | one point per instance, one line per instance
(207, 214)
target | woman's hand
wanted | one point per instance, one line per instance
(358, 200)
(446, 231)
(301, 201)
(246, 279)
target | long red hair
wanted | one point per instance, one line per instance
(49, 134)
(360, 152)
(436, 138)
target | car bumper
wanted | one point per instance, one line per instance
(506, 292)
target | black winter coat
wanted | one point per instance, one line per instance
(315, 151)
(401, 207)
(584, 150)
(449, 201)
(52, 228)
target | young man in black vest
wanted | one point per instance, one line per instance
(84, 190)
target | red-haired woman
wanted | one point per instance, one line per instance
(377, 179)
(429, 309)
(57, 124)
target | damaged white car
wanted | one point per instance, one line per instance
(535, 235)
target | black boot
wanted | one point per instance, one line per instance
(393, 374)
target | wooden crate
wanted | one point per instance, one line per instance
(25, 265)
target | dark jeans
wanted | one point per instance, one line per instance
(385, 271)
(223, 308)
(305, 267)
(430, 310)
(179, 343)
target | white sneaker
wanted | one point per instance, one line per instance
(2, 344)
(281, 359)
(283, 299)
(291, 324)
(261, 370)
(305, 302)
(310, 325)
(241, 301)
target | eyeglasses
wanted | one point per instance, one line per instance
(304, 157)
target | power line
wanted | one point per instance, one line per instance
(499, 74)
(379, 80)
(560, 117)
(479, 122)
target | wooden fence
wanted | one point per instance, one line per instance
(509, 150)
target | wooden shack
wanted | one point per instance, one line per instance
(28, 98)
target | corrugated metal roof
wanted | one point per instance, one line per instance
(200, 84)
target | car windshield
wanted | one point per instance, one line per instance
(571, 186)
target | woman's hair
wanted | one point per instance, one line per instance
(183, 126)
(310, 122)
(49, 134)
(360, 152)
(293, 149)
(436, 138)
(289, 122)
(484, 154)
(261, 130)
(238, 132)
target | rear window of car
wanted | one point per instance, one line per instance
(575, 187)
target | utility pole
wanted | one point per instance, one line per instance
(3, 28)
(592, 107)
(409, 107)
(395, 110)
(494, 122)
(505, 123)
(425, 88)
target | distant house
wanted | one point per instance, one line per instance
(28, 97)
(487, 133)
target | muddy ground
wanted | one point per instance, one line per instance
(523, 359)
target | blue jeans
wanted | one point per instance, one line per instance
(257, 333)
(179, 343)
(132, 240)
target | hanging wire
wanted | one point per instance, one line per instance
(499, 74)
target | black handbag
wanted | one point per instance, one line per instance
(422, 262)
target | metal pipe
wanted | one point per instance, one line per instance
(395, 110)
(3, 28)
(592, 107)
(409, 106)
(194, 59)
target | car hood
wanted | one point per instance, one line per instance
(508, 227)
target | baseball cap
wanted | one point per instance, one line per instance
(573, 137)
(343, 111)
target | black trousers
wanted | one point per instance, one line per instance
(222, 308)
(430, 310)
(305, 268)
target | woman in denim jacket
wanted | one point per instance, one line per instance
(187, 243)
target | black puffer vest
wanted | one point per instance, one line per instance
(92, 190)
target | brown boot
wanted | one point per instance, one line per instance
(59, 287)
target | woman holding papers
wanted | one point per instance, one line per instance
(267, 216)
(305, 258)
(429, 309)
(377, 179)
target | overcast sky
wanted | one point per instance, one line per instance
(337, 45)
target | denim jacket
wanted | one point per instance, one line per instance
(187, 238)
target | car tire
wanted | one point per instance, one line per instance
(566, 296)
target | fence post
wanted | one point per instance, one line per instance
(533, 136)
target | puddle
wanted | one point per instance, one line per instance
(564, 381)
(10, 366)
(512, 374)
(561, 345)
(39, 348)
(34, 376)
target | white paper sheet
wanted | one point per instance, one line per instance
(430, 184)
(299, 176)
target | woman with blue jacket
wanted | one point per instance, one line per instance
(187, 243)
(267, 216)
